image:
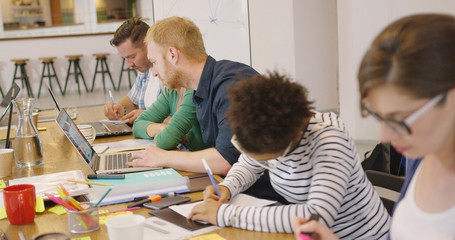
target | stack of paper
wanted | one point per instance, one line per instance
(156, 228)
(46, 183)
(127, 192)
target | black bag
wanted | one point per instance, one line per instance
(384, 158)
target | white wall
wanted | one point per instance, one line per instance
(358, 24)
(272, 35)
(316, 53)
(298, 37)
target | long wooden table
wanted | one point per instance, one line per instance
(60, 156)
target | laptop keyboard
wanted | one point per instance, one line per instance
(117, 161)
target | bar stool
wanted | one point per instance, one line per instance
(77, 72)
(101, 61)
(128, 70)
(20, 63)
(48, 62)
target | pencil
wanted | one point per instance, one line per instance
(121, 210)
(90, 183)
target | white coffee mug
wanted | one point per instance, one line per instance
(88, 131)
(122, 227)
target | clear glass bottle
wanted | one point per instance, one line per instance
(28, 150)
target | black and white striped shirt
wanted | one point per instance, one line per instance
(322, 175)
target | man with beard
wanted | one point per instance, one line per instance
(176, 51)
(129, 41)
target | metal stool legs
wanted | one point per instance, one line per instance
(23, 77)
(101, 61)
(128, 70)
(77, 73)
(49, 76)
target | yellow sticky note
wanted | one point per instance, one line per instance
(2, 184)
(57, 209)
(212, 236)
(2, 213)
(82, 238)
(39, 205)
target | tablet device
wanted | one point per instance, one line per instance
(169, 215)
(167, 201)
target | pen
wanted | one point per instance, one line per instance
(89, 183)
(209, 172)
(308, 236)
(139, 198)
(101, 199)
(107, 148)
(154, 198)
(112, 101)
(106, 176)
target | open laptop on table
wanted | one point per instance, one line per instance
(103, 128)
(101, 164)
(10, 95)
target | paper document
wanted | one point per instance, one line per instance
(46, 183)
(245, 200)
(121, 146)
(156, 228)
(114, 121)
(240, 200)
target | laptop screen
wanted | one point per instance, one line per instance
(12, 93)
(76, 138)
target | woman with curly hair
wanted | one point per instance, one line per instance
(312, 161)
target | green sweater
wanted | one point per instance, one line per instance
(183, 122)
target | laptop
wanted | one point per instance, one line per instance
(101, 164)
(103, 128)
(10, 95)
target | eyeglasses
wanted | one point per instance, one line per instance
(237, 146)
(403, 127)
(270, 164)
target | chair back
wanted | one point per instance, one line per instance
(387, 186)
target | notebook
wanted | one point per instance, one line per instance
(103, 128)
(105, 163)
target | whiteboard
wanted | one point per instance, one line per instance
(224, 24)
